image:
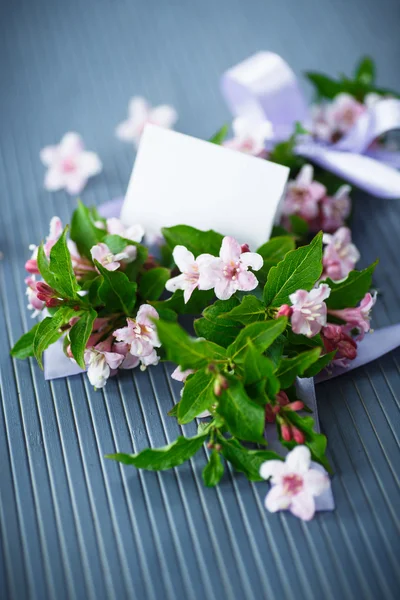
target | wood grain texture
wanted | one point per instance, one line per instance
(74, 525)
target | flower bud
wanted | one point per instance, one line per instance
(244, 248)
(296, 405)
(284, 311)
(269, 414)
(298, 435)
(282, 398)
(286, 432)
(31, 266)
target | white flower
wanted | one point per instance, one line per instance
(193, 272)
(250, 135)
(139, 114)
(69, 165)
(141, 335)
(133, 232)
(309, 310)
(102, 253)
(294, 484)
(101, 362)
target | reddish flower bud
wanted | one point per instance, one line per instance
(286, 432)
(282, 398)
(284, 311)
(269, 414)
(296, 405)
(244, 248)
(298, 435)
(347, 347)
(52, 302)
(31, 266)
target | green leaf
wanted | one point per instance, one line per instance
(319, 364)
(244, 460)
(316, 442)
(249, 311)
(298, 226)
(24, 346)
(256, 367)
(220, 136)
(296, 339)
(48, 331)
(187, 352)
(213, 470)
(116, 291)
(79, 335)
(152, 283)
(261, 335)
(290, 368)
(365, 71)
(214, 326)
(197, 303)
(84, 232)
(244, 418)
(61, 267)
(273, 252)
(348, 292)
(326, 87)
(195, 240)
(159, 459)
(198, 396)
(117, 244)
(299, 270)
(275, 351)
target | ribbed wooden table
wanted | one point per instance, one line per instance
(74, 525)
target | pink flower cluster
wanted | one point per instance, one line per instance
(340, 254)
(309, 200)
(332, 120)
(226, 274)
(124, 348)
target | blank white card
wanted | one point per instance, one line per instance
(178, 179)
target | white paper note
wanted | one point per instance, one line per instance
(178, 179)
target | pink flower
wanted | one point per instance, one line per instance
(309, 310)
(343, 112)
(335, 209)
(180, 375)
(284, 311)
(191, 270)
(116, 227)
(229, 273)
(34, 303)
(294, 483)
(56, 229)
(141, 335)
(102, 253)
(101, 363)
(303, 195)
(358, 317)
(69, 165)
(335, 337)
(250, 135)
(139, 114)
(340, 255)
(130, 361)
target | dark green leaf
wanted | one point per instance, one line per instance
(348, 292)
(189, 353)
(316, 442)
(273, 252)
(79, 335)
(220, 136)
(159, 459)
(261, 335)
(118, 244)
(244, 418)
(213, 326)
(58, 272)
(244, 460)
(213, 470)
(197, 303)
(325, 86)
(275, 351)
(296, 339)
(195, 240)
(299, 270)
(256, 368)
(24, 347)
(48, 331)
(365, 71)
(84, 232)
(116, 291)
(319, 364)
(249, 311)
(290, 368)
(198, 396)
(298, 226)
(152, 283)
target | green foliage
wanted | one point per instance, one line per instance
(244, 460)
(261, 335)
(348, 292)
(290, 368)
(244, 418)
(273, 252)
(299, 270)
(58, 272)
(79, 335)
(24, 346)
(220, 136)
(216, 326)
(198, 242)
(213, 471)
(198, 396)
(49, 331)
(116, 291)
(152, 283)
(250, 310)
(84, 232)
(316, 442)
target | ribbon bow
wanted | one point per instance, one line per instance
(264, 86)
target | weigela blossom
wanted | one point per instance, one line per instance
(309, 310)
(141, 335)
(230, 272)
(303, 195)
(139, 114)
(129, 361)
(101, 363)
(69, 164)
(180, 375)
(34, 303)
(335, 210)
(340, 255)
(250, 135)
(359, 317)
(194, 272)
(56, 229)
(331, 120)
(294, 483)
(133, 232)
(102, 253)
(336, 338)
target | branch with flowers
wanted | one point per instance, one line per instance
(267, 317)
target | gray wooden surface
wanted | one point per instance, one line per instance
(74, 525)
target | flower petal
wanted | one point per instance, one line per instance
(54, 179)
(298, 460)
(316, 482)
(230, 249)
(89, 164)
(276, 499)
(176, 283)
(48, 154)
(305, 176)
(113, 359)
(303, 506)
(183, 258)
(164, 116)
(145, 315)
(252, 259)
(247, 281)
(224, 289)
(71, 144)
(274, 469)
